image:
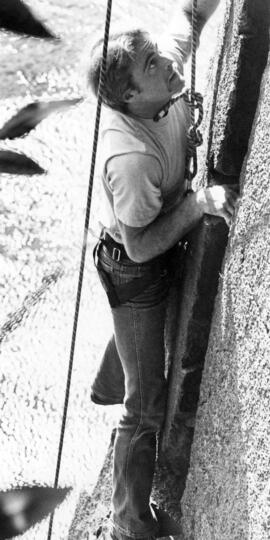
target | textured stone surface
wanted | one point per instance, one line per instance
(244, 55)
(233, 89)
(236, 76)
(189, 320)
(92, 509)
(228, 486)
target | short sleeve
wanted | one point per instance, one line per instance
(134, 181)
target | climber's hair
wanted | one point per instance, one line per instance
(123, 49)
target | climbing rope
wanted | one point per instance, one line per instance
(84, 245)
(195, 101)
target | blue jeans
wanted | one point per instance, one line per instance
(133, 366)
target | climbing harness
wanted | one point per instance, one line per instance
(84, 245)
(151, 270)
(194, 100)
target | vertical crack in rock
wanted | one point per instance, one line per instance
(234, 97)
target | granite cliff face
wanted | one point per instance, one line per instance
(227, 490)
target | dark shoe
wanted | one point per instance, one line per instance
(107, 532)
(168, 527)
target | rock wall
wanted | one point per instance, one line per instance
(233, 92)
(228, 485)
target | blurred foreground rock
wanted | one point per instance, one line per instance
(14, 163)
(30, 116)
(16, 16)
(21, 508)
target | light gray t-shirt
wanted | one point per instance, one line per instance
(143, 161)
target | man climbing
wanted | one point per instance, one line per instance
(147, 214)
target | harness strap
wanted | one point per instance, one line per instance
(119, 294)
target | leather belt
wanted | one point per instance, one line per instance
(159, 267)
(115, 249)
(118, 253)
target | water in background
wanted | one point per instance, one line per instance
(41, 231)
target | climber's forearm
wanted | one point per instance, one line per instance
(183, 13)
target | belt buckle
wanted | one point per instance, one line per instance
(116, 254)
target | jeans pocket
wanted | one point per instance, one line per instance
(122, 272)
(119, 272)
(154, 293)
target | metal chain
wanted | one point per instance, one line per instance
(83, 253)
(195, 101)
